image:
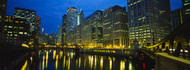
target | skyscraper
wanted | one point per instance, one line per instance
(60, 35)
(64, 26)
(80, 17)
(72, 13)
(91, 30)
(144, 23)
(186, 11)
(115, 27)
(29, 15)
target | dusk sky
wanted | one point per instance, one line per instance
(51, 11)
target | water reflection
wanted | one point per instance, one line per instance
(61, 60)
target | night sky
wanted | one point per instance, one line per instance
(51, 11)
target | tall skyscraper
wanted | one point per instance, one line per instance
(80, 17)
(29, 15)
(64, 26)
(186, 11)
(91, 30)
(115, 27)
(72, 14)
(144, 23)
(60, 35)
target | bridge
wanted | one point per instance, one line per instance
(172, 52)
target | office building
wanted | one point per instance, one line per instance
(3, 7)
(145, 23)
(91, 30)
(186, 11)
(115, 29)
(16, 30)
(177, 18)
(72, 14)
(64, 26)
(80, 18)
(29, 15)
(60, 35)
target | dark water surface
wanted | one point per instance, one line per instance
(60, 60)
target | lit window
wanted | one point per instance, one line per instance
(17, 21)
(20, 32)
(25, 32)
(15, 35)
(10, 26)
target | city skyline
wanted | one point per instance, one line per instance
(50, 22)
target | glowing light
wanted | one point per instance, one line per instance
(47, 58)
(31, 59)
(25, 45)
(130, 66)
(54, 53)
(110, 62)
(95, 62)
(122, 65)
(79, 61)
(101, 63)
(56, 62)
(43, 62)
(25, 65)
(64, 61)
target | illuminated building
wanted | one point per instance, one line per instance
(3, 7)
(115, 29)
(78, 34)
(37, 24)
(72, 14)
(16, 29)
(80, 18)
(186, 11)
(91, 30)
(177, 18)
(60, 35)
(145, 21)
(29, 15)
(64, 26)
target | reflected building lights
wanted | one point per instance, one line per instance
(47, 53)
(110, 62)
(130, 65)
(25, 65)
(56, 62)
(101, 63)
(95, 60)
(43, 62)
(54, 53)
(122, 65)
(79, 61)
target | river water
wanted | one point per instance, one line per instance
(61, 60)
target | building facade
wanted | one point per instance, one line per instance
(3, 7)
(186, 11)
(16, 30)
(60, 35)
(91, 30)
(177, 18)
(145, 23)
(72, 13)
(29, 15)
(64, 26)
(115, 27)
